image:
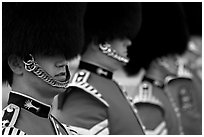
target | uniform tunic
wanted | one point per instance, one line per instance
(27, 116)
(95, 104)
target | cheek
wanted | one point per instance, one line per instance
(49, 68)
(47, 65)
(118, 48)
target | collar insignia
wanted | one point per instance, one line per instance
(28, 104)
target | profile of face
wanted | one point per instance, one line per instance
(55, 66)
(121, 46)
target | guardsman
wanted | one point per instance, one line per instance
(163, 34)
(186, 89)
(152, 98)
(38, 39)
(94, 103)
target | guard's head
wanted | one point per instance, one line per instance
(108, 21)
(163, 33)
(41, 29)
(193, 11)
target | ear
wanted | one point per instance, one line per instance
(16, 64)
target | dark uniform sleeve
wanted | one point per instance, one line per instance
(84, 113)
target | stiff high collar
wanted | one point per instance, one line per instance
(30, 104)
(154, 82)
(96, 69)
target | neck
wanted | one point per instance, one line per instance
(22, 87)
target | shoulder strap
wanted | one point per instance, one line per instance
(10, 115)
(89, 89)
(79, 80)
(145, 95)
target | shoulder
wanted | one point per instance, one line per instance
(90, 90)
(80, 82)
(80, 87)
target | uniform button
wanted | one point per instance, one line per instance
(9, 109)
(81, 73)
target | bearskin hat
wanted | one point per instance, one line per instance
(48, 28)
(193, 11)
(163, 32)
(108, 20)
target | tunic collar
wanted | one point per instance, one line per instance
(96, 69)
(30, 104)
(154, 82)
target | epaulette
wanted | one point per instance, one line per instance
(89, 89)
(81, 76)
(80, 80)
(183, 72)
(10, 115)
(145, 95)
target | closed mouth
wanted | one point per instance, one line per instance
(61, 76)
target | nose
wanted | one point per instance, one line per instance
(62, 63)
(127, 42)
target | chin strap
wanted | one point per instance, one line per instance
(106, 49)
(32, 66)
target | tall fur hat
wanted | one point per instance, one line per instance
(41, 28)
(193, 12)
(163, 32)
(108, 20)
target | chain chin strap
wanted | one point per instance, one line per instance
(106, 49)
(32, 66)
